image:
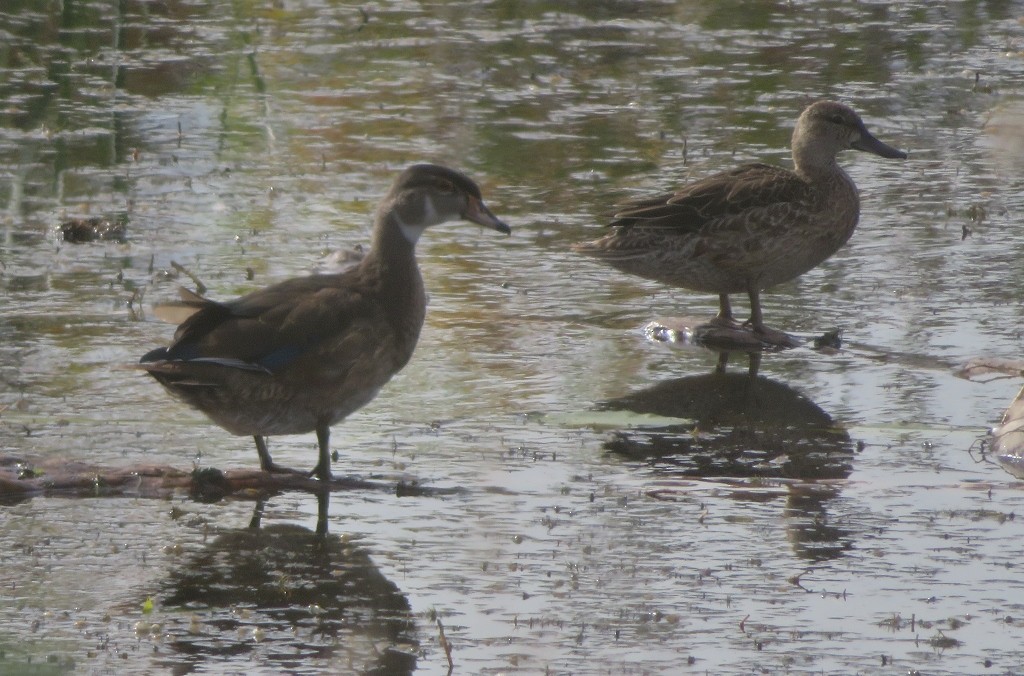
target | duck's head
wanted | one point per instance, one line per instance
(429, 194)
(826, 128)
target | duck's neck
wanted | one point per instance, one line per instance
(817, 173)
(822, 170)
(813, 161)
(834, 192)
(391, 262)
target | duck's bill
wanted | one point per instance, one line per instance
(870, 144)
(479, 213)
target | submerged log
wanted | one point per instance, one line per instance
(690, 331)
(22, 478)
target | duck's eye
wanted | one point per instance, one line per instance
(836, 119)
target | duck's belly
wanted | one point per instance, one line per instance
(712, 267)
(251, 403)
(295, 413)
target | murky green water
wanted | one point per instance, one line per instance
(613, 516)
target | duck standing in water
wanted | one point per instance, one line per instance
(301, 355)
(750, 228)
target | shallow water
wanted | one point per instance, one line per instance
(610, 516)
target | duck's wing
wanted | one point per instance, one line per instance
(268, 329)
(712, 200)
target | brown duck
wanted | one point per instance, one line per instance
(750, 228)
(301, 355)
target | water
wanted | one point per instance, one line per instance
(595, 510)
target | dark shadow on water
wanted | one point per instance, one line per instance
(742, 425)
(301, 602)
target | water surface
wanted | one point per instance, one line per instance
(610, 515)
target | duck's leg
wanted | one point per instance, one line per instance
(756, 321)
(266, 463)
(724, 317)
(322, 470)
(756, 318)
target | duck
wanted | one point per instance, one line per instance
(749, 228)
(301, 355)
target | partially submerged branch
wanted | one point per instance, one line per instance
(21, 479)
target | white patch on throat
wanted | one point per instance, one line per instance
(410, 232)
(429, 217)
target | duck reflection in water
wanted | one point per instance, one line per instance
(742, 425)
(298, 599)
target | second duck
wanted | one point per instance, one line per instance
(750, 228)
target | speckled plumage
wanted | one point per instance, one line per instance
(750, 228)
(301, 355)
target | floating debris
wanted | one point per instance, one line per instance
(181, 269)
(445, 645)
(830, 339)
(81, 230)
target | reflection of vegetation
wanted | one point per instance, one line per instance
(80, 77)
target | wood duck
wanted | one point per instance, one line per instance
(301, 355)
(750, 228)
